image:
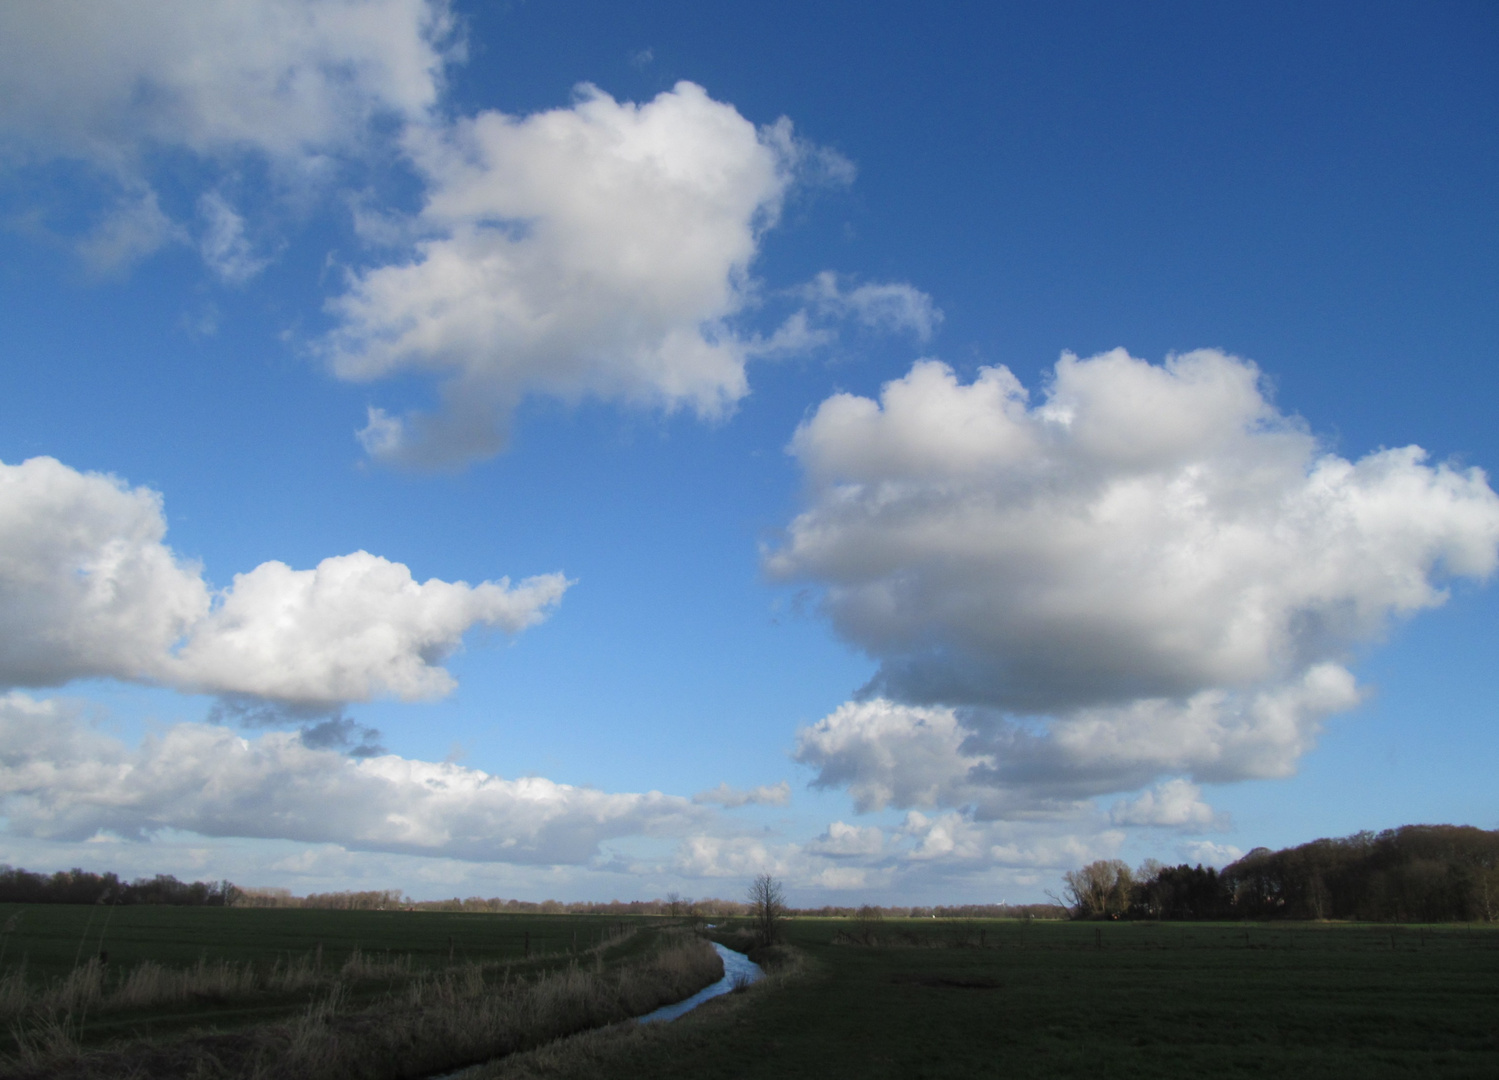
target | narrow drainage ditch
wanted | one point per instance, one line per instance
(738, 970)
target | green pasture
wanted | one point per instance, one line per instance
(52, 938)
(898, 998)
(1008, 999)
(48, 941)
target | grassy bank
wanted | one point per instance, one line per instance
(377, 1014)
(927, 999)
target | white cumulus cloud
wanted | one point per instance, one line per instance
(593, 251)
(705, 855)
(845, 840)
(889, 754)
(107, 79)
(61, 780)
(955, 840)
(292, 86)
(89, 589)
(1151, 572)
(1175, 803)
(355, 627)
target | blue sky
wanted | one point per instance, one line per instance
(643, 311)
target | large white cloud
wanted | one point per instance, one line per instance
(295, 79)
(597, 251)
(88, 588)
(1150, 572)
(592, 251)
(61, 780)
(293, 86)
(887, 753)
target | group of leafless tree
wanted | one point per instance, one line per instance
(394, 900)
(76, 886)
(1417, 873)
(365, 900)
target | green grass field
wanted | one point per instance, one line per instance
(53, 937)
(1088, 1000)
(928, 999)
(45, 943)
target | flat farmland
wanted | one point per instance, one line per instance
(179, 972)
(978, 999)
(53, 938)
(892, 998)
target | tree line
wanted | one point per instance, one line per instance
(82, 887)
(1416, 873)
(939, 911)
(77, 886)
(396, 900)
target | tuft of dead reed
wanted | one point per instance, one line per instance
(615, 1050)
(430, 1022)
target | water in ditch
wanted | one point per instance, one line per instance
(738, 970)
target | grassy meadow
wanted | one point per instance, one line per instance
(313, 993)
(215, 992)
(1042, 999)
(52, 938)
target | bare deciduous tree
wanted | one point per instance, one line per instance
(767, 901)
(1099, 889)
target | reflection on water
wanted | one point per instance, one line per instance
(737, 969)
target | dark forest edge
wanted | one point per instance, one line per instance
(76, 886)
(1416, 873)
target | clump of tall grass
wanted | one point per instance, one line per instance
(435, 1021)
(618, 1049)
(94, 988)
(91, 986)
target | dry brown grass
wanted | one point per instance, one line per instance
(92, 987)
(433, 1021)
(607, 1051)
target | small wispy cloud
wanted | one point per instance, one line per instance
(224, 246)
(134, 228)
(885, 306)
(730, 797)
